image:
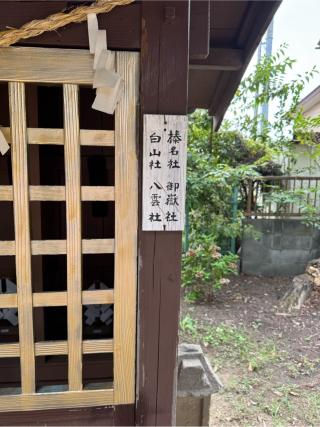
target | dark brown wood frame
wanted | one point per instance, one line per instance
(164, 46)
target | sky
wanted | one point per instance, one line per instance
(297, 23)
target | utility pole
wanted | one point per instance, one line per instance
(265, 48)
(269, 40)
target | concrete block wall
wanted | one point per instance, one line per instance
(278, 247)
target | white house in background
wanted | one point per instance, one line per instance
(306, 165)
(311, 103)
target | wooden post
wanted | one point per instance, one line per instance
(249, 196)
(74, 249)
(17, 105)
(125, 232)
(164, 80)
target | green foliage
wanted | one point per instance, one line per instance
(205, 269)
(188, 325)
(302, 199)
(211, 177)
(220, 163)
(269, 80)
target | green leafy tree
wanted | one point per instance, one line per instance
(246, 146)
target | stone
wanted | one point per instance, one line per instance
(195, 375)
(299, 292)
(313, 269)
(196, 383)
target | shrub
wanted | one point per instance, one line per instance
(205, 270)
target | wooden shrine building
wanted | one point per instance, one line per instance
(89, 303)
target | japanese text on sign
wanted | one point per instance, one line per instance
(164, 172)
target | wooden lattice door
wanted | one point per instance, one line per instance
(71, 68)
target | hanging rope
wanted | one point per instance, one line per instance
(57, 20)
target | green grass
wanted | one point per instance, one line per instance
(302, 367)
(264, 384)
(237, 344)
(231, 342)
(313, 408)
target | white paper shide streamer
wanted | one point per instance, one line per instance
(4, 146)
(107, 82)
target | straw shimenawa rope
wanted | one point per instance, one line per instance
(57, 20)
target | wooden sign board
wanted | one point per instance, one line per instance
(164, 172)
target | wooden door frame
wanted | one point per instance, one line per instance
(123, 245)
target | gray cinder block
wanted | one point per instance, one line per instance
(292, 245)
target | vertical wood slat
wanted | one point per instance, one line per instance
(22, 234)
(126, 224)
(73, 213)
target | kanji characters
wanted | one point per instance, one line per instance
(174, 138)
(155, 199)
(164, 152)
(174, 151)
(172, 199)
(157, 185)
(155, 217)
(155, 152)
(171, 217)
(172, 186)
(154, 164)
(154, 139)
(173, 164)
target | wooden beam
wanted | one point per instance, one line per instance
(102, 415)
(101, 296)
(41, 193)
(70, 399)
(49, 299)
(56, 299)
(59, 247)
(122, 24)
(126, 230)
(9, 350)
(55, 348)
(73, 243)
(95, 138)
(199, 29)
(51, 348)
(17, 104)
(220, 59)
(8, 301)
(38, 65)
(59, 299)
(164, 76)
(255, 24)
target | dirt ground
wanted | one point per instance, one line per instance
(267, 360)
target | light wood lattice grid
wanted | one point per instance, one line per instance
(71, 68)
